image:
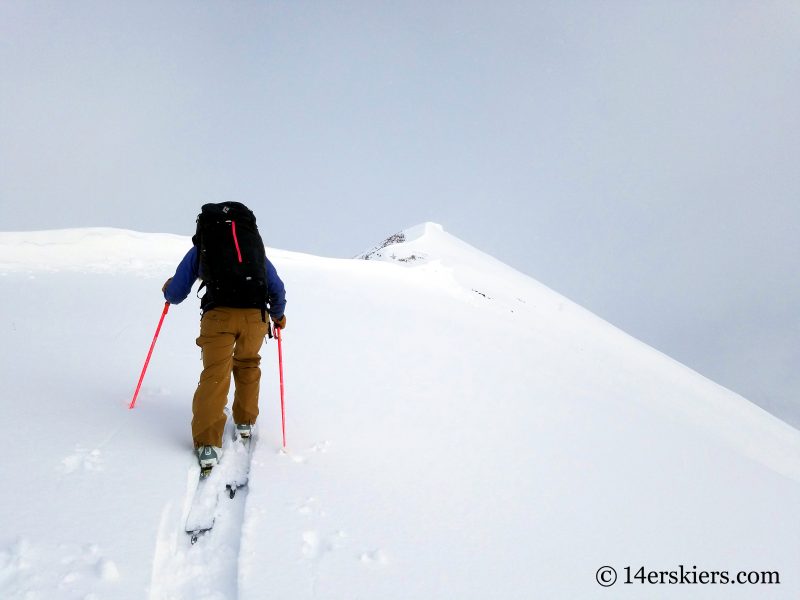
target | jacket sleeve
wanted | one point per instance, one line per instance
(276, 293)
(185, 276)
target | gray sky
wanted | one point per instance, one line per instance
(638, 157)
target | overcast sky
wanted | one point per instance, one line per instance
(639, 157)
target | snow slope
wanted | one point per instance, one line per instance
(456, 430)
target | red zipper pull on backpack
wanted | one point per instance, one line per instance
(236, 240)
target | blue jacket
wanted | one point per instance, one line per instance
(188, 272)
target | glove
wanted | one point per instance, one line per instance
(166, 285)
(279, 321)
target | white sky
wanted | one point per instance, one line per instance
(639, 157)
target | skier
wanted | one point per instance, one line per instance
(241, 286)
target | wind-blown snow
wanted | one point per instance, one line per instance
(456, 430)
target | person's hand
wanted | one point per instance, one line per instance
(279, 321)
(166, 285)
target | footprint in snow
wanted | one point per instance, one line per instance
(321, 447)
(375, 558)
(311, 544)
(48, 570)
(315, 546)
(89, 561)
(88, 569)
(82, 459)
(310, 508)
(295, 458)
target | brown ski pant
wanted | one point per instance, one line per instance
(230, 341)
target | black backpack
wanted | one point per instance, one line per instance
(232, 257)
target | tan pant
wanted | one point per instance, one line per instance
(230, 341)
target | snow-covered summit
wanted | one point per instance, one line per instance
(426, 228)
(426, 242)
(397, 247)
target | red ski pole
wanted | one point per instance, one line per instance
(280, 368)
(149, 354)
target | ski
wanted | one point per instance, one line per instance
(204, 505)
(240, 476)
(231, 474)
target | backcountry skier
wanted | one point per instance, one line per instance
(241, 287)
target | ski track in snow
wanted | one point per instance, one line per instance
(209, 568)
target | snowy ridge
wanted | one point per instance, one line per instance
(503, 289)
(96, 249)
(444, 416)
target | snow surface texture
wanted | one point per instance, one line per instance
(455, 430)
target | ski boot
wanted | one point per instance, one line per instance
(208, 457)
